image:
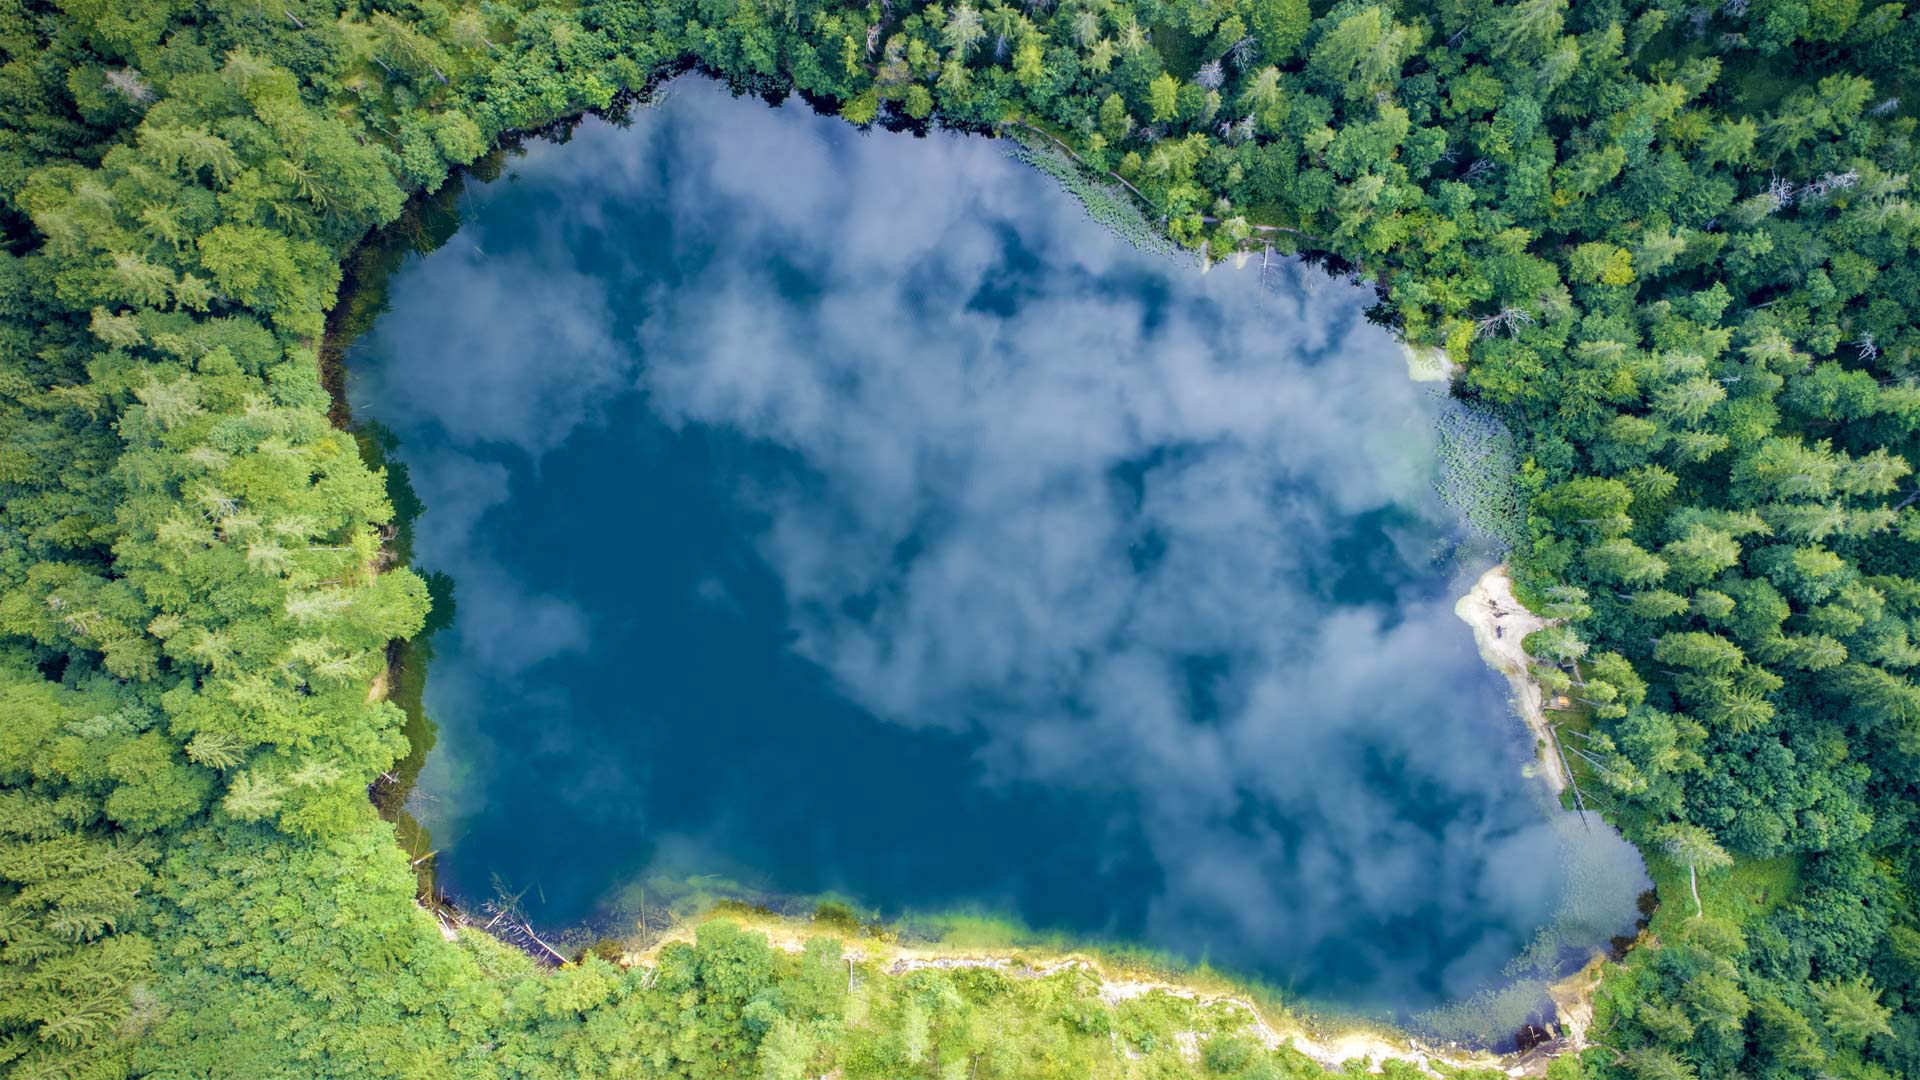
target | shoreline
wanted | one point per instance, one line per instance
(1500, 623)
(1330, 1046)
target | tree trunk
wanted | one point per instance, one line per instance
(1693, 882)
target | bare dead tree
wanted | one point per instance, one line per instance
(1240, 54)
(129, 84)
(1509, 318)
(1234, 131)
(1780, 190)
(1829, 183)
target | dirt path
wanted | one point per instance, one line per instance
(1500, 624)
(1330, 1051)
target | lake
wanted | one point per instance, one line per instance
(848, 514)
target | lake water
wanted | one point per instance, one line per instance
(842, 513)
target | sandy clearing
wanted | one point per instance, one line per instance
(1499, 625)
(1331, 1050)
(1428, 363)
(377, 690)
(1573, 1001)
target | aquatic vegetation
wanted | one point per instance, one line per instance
(1479, 465)
(1106, 202)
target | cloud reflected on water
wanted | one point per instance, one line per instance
(1144, 532)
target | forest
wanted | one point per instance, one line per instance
(1670, 244)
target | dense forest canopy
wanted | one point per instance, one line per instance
(1672, 245)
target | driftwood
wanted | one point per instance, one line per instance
(1578, 802)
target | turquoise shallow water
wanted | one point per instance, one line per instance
(847, 513)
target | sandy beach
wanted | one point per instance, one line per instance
(1500, 623)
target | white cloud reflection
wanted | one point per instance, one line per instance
(1145, 532)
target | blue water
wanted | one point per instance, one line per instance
(848, 513)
